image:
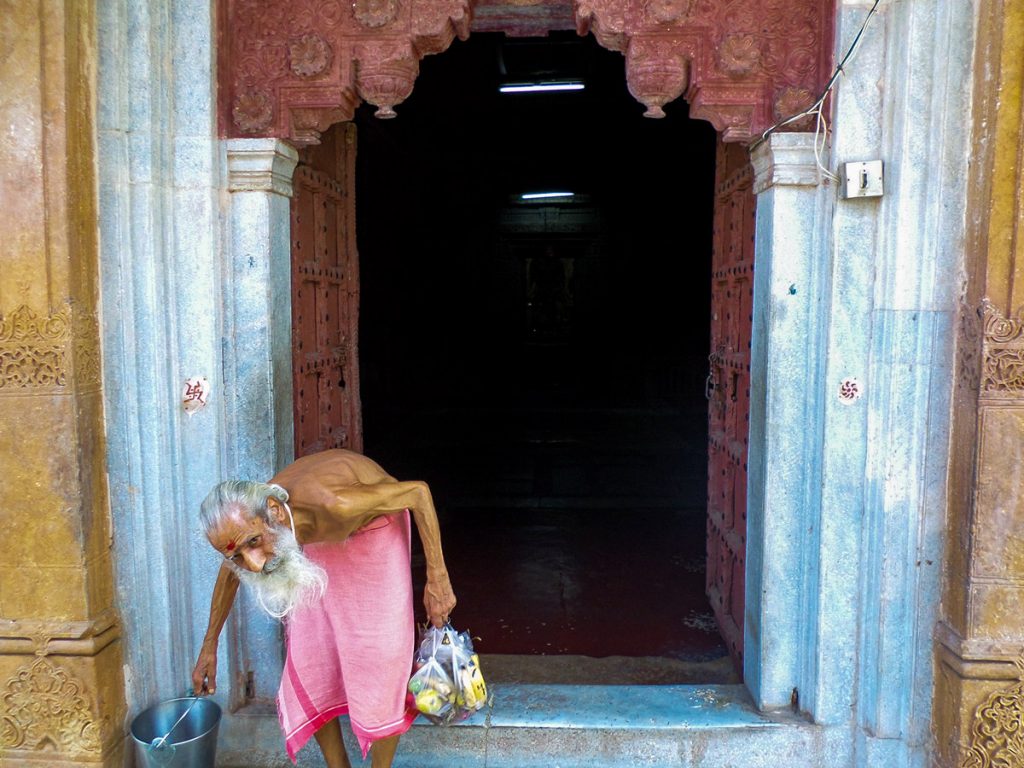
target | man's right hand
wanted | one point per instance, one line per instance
(204, 676)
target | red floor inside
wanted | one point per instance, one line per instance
(605, 582)
(561, 540)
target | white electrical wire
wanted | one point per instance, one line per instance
(817, 108)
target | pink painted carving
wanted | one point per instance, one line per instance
(656, 72)
(252, 111)
(310, 55)
(289, 68)
(668, 11)
(749, 62)
(292, 68)
(385, 74)
(375, 13)
(739, 55)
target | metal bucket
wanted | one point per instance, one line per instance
(192, 743)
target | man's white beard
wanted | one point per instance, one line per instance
(288, 581)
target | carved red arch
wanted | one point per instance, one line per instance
(292, 68)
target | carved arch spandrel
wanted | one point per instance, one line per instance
(742, 65)
(291, 68)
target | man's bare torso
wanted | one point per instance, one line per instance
(317, 486)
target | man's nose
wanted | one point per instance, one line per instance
(254, 560)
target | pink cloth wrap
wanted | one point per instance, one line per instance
(351, 653)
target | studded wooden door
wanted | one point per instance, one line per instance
(325, 296)
(728, 391)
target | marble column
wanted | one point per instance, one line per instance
(792, 212)
(260, 182)
(195, 284)
(61, 686)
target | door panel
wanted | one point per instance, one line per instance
(729, 391)
(325, 296)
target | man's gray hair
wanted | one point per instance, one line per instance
(230, 496)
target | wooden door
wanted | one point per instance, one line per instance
(729, 391)
(325, 296)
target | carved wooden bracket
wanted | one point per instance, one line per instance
(291, 68)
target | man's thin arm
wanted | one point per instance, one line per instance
(224, 592)
(204, 676)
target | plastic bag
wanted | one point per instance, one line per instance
(447, 682)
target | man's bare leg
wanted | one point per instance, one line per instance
(329, 739)
(383, 752)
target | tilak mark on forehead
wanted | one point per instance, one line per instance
(231, 545)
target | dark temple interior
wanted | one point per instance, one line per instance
(541, 363)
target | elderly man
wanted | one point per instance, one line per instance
(325, 546)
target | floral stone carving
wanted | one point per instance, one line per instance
(310, 55)
(997, 736)
(45, 708)
(375, 13)
(1002, 365)
(252, 111)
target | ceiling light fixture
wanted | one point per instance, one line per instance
(574, 85)
(543, 195)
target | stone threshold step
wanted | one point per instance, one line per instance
(589, 726)
(596, 726)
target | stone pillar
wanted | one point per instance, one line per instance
(792, 210)
(979, 688)
(60, 652)
(260, 182)
(258, 358)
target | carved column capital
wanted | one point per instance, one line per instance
(785, 159)
(261, 165)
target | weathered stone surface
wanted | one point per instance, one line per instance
(978, 703)
(61, 694)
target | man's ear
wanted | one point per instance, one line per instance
(276, 510)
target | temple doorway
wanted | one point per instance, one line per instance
(542, 362)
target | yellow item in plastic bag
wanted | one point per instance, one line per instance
(472, 687)
(430, 702)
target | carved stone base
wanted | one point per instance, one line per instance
(979, 702)
(61, 710)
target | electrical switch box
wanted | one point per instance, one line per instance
(863, 179)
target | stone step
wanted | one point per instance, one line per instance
(577, 726)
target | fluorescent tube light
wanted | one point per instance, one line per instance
(538, 87)
(544, 195)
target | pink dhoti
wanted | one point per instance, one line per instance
(351, 653)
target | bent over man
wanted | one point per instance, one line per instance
(325, 546)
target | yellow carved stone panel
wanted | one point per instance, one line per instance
(45, 708)
(47, 352)
(998, 530)
(997, 733)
